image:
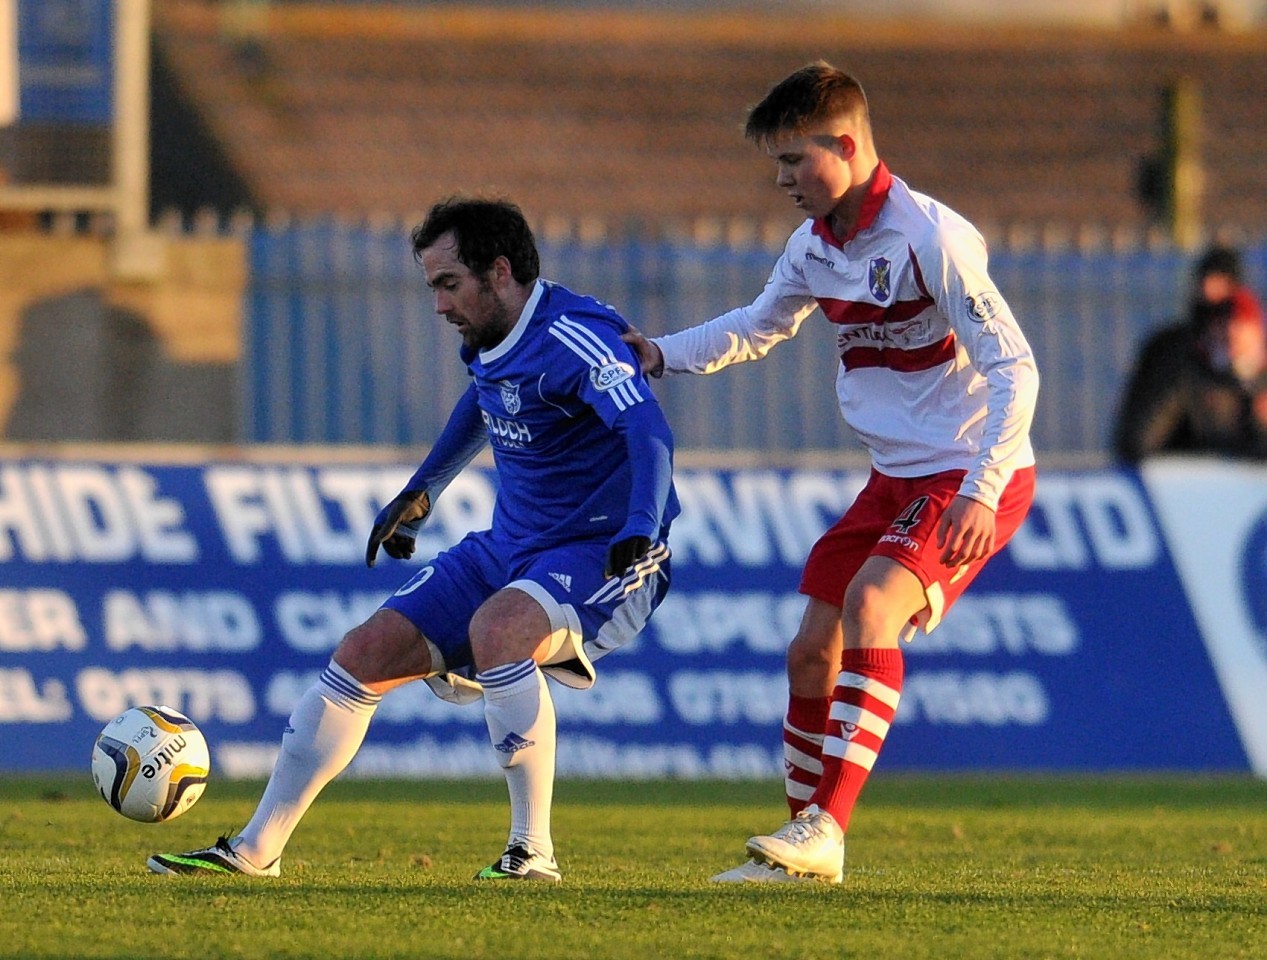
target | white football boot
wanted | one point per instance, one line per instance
(754, 872)
(810, 845)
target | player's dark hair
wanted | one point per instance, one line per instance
(484, 230)
(812, 95)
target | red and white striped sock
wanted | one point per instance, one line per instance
(803, 748)
(862, 708)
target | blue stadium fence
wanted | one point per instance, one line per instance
(343, 345)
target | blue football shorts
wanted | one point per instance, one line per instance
(590, 615)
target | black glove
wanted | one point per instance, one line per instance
(623, 554)
(396, 526)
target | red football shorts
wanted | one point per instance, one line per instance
(897, 517)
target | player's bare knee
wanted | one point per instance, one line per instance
(354, 652)
(808, 652)
(868, 614)
(493, 644)
(509, 626)
(813, 656)
(385, 647)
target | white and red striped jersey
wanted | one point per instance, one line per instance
(935, 374)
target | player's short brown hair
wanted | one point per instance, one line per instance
(812, 95)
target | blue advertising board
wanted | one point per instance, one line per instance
(66, 61)
(1118, 631)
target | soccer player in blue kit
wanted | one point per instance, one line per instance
(573, 565)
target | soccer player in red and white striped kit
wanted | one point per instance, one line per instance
(938, 382)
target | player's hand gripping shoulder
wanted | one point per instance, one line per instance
(396, 526)
(650, 357)
(624, 554)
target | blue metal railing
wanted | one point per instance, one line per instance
(343, 346)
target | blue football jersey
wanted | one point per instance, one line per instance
(565, 407)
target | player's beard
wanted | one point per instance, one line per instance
(495, 322)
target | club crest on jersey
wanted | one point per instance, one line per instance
(510, 397)
(984, 306)
(606, 377)
(878, 278)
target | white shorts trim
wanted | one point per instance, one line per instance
(928, 618)
(565, 659)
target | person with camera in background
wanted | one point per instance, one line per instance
(1199, 386)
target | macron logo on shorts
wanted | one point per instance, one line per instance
(513, 743)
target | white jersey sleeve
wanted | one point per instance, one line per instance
(745, 333)
(955, 271)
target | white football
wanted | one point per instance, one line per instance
(151, 764)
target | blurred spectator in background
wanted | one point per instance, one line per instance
(1200, 384)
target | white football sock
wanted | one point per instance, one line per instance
(521, 725)
(323, 734)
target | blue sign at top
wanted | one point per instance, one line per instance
(65, 61)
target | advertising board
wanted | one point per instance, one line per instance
(1122, 629)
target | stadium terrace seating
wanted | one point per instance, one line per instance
(625, 117)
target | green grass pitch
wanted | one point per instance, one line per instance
(981, 867)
